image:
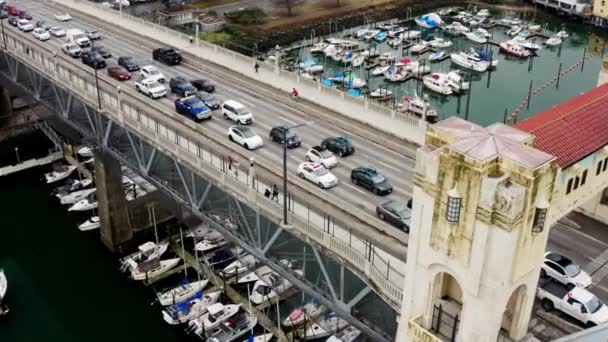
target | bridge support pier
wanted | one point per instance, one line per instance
(6, 107)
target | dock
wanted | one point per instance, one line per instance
(28, 164)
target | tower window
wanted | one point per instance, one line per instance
(452, 214)
(540, 215)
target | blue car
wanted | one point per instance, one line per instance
(192, 107)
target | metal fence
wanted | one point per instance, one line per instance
(444, 324)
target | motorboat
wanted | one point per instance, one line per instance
(440, 43)
(347, 57)
(90, 224)
(73, 197)
(457, 82)
(483, 13)
(233, 329)
(181, 292)
(198, 232)
(88, 203)
(261, 338)
(190, 309)
(396, 74)
(310, 311)
(525, 33)
(238, 267)
(329, 324)
(419, 107)
(380, 70)
(562, 34)
(411, 34)
(476, 36)
(370, 34)
(219, 258)
(72, 185)
(216, 314)
(153, 268)
(362, 32)
(553, 41)
(261, 272)
(438, 82)
(331, 50)
(381, 94)
(418, 48)
(535, 28)
(429, 21)
(395, 32)
(387, 26)
(213, 240)
(349, 334)
(59, 173)
(358, 60)
(3, 285)
(395, 42)
(354, 82)
(524, 43)
(270, 286)
(514, 49)
(437, 56)
(145, 252)
(387, 56)
(380, 36)
(452, 31)
(476, 61)
(318, 47)
(514, 31)
(85, 151)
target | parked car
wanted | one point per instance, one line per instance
(41, 34)
(13, 21)
(237, 112)
(395, 213)
(93, 34)
(71, 49)
(245, 136)
(151, 87)
(280, 133)
(25, 25)
(166, 55)
(43, 24)
(152, 72)
(118, 72)
(181, 87)
(102, 51)
(93, 59)
(564, 270)
(57, 31)
(63, 17)
(204, 85)
(316, 173)
(318, 154)
(574, 301)
(192, 107)
(338, 145)
(128, 63)
(210, 100)
(369, 178)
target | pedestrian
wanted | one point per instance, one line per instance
(229, 163)
(267, 193)
(256, 67)
(275, 192)
(236, 168)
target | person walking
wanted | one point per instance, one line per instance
(229, 163)
(275, 192)
(256, 67)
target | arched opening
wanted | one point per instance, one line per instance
(447, 306)
(511, 316)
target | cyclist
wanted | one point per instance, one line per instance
(294, 93)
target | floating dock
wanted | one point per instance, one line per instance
(28, 164)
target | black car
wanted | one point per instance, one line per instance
(93, 59)
(204, 85)
(278, 133)
(43, 24)
(370, 179)
(128, 63)
(181, 86)
(13, 20)
(3, 14)
(338, 145)
(395, 213)
(166, 55)
(101, 51)
(209, 100)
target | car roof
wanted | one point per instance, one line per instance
(190, 99)
(580, 294)
(234, 103)
(242, 128)
(314, 166)
(340, 139)
(558, 259)
(394, 205)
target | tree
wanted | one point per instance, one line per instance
(288, 4)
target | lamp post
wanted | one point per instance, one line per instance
(285, 167)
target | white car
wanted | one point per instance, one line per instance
(245, 137)
(317, 174)
(151, 88)
(63, 17)
(237, 112)
(564, 270)
(41, 34)
(93, 34)
(25, 25)
(57, 31)
(152, 72)
(71, 49)
(322, 156)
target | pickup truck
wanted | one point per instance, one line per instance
(166, 55)
(192, 107)
(71, 49)
(151, 87)
(574, 301)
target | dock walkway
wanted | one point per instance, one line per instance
(10, 169)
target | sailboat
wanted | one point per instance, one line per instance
(153, 268)
(90, 224)
(88, 203)
(146, 252)
(260, 272)
(213, 239)
(238, 266)
(437, 82)
(85, 151)
(216, 315)
(328, 325)
(307, 312)
(190, 309)
(270, 286)
(72, 185)
(3, 290)
(59, 173)
(233, 329)
(73, 197)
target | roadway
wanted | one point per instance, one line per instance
(397, 167)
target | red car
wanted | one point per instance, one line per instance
(119, 73)
(12, 9)
(24, 15)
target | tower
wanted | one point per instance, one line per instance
(478, 234)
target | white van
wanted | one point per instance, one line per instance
(237, 112)
(78, 37)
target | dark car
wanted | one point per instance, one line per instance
(128, 63)
(24, 15)
(181, 86)
(370, 179)
(43, 24)
(279, 133)
(3, 14)
(338, 145)
(166, 55)
(13, 20)
(210, 100)
(204, 85)
(93, 59)
(395, 213)
(102, 51)
(119, 73)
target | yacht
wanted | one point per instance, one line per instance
(380, 70)
(90, 224)
(349, 334)
(457, 82)
(438, 82)
(362, 32)
(329, 324)
(216, 314)
(370, 34)
(523, 42)
(387, 26)
(440, 43)
(238, 267)
(380, 94)
(318, 47)
(562, 34)
(396, 31)
(476, 36)
(483, 13)
(153, 268)
(233, 329)
(145, 252)
(418, 48)
(59, 173)
(307, 312)
(270, 286)
(181, 292)
(437, 56)
(396, 74)
(514, 31)
(73, 197)
(190, 309)
(553, 41)
(411, 34)
(514, 49)
(88, 203)
(475, 60)
(211, 241)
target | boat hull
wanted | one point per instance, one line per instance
(181, 292)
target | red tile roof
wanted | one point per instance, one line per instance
(574, 129)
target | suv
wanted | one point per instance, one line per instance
(71, 49)
(102, 51)
(338, 145)
(181, 87)
(564, 270)
(237, 112)
(167, 56)
(203, 85)
(93, 59)
(278, 133)
(128, 63)
(370, 179)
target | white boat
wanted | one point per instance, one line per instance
(418, 47)
(198, 232)
(261, 338)
(216, 314)
(396, 31)
(472, 60)
(437, 56)
(59, 173)
(386, 26)
(307, 312)
(396, 74)
(350, 334)
(213, 240)
(84, 205)
(3, 285)
(261, 272)
(152, 270)
(85, 151)
(181, 292)
(238, 266)
(72, 185)
(523, 42)
(73, 197)
(411, 34)
(514, 31)
(360, 33)
(233, 329)
(370, 34)
(430, 20)
(419, 107)
(514, 49)
(457, 82)
(318, 47)
(476, 37)
(193, 309)
(327, 326)
(553, 41)
(146, 252)
(379, 70)
(331, 50)
(438, 82)
(90, 224)
(358, 60)
(270, 286)
(440, 43)
(535, 28)
(312, 68)
(483, 13)
(395, 42)
(387, 56)
(381, 93)
(354, 82)
(562, 34)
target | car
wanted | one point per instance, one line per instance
(396, 213)
(210, 100)
(166, 55)
(371, 179)
(71, 49)
(118, 72)
(24, 15)
(237, 112)
(565, 271)
(77, 36)
(281, 133)
(128, 63)
(245, 136)
(102, 51)
(41, 34)
(57, 31)
(318, 154)
(12, 9)
(93, 59)
(43, 24)
(193, 107)
(151, 87)
(316, 173)
(25, 25)
(3, 14)
(574, 301)
(152, 72)
(181, 86)
(63, 17)
(338, 145)
(93, 34)
(204, 85)
(13, 20)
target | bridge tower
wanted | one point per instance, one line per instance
(478, 235)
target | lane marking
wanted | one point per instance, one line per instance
(389, 166)
(286, 119)
(355, 188)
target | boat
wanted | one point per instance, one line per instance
(380, 36)
(211, 241)
(331, 50)
(270, 286)
(349, 334)
(419, 107)
(370, 34)
(440, 43)
(379, 70)
(457, 82)
(85, 151)
(191, 308)
(411, 34)
(219, 258)
(428, 21)
(438, 82)
(318, 47)
(260, 272)
(514, 31)
(146, 252)
(311, 67)
(474, 60)
(358, 60)
(90, 224)
(3, 285)
(354, 82)
(181, 292)
(437, 56)
(360, 33)
(523, 42)
(73, 197)
(238, 267)
(59, 173)
(387, 26)
(88, 203)
(562, 34)
(198, 232)
(395, 31)
(216, 314)
(261, 338)
(483, 13)
(476, 36)
(307, 312)
(72, 185)
(534, 28)
(514, 49)
(233, 329)
(387, 56)
(450, 30)
(525, 33)
(418, 48)
(327, 326)
(396, 74)
(153, 268)
(553, 41)
(381, 94)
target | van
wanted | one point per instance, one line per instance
(78, 37)
(237, 112)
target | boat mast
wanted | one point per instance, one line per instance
(181, 236)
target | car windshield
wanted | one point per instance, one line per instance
(399, 208)
(153, 72)
(321, 172)
(572, 270)
(325, 154)
(244, 111)
(377, 179)
(593, 305)
(247, 133)
(197, 105)
(120, 70)
(128, 60)
(79, 36)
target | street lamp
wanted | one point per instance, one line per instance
(285, 167)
